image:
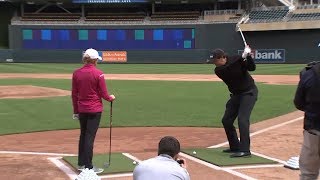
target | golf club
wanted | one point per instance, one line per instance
(238, 26)
(243, 39)
(107, 164)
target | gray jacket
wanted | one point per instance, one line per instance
(162, 167)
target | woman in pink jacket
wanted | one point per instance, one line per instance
(88, 89)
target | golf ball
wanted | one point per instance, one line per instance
(194, 152)
(134, 162)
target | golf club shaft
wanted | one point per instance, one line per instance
(110, 133)
(243, 39)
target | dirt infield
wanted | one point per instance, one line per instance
(269, 79)
(278, 138)
(28, 91)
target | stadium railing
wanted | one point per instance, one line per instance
(270, 14)
(176, 15)
(231, 15)
(305, 13)
(310, 6)
(105, 16)
(50, 17)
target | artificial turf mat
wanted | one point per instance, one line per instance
(217, 157)
(119, 163)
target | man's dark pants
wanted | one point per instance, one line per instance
(240, 106)
(89, 124)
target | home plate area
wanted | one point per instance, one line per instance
(123, 164)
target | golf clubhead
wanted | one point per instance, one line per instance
(106, 165)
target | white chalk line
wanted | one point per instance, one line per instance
(258, 154)
(116, 175)
(212, 166)
(73, 175)
(268, 157)
(254, 166)
(36, 153)
(261, 131)
(276, 126)
(67, 170)
(131, 157)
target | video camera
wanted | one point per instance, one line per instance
(180, 161)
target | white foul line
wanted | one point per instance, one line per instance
(131, 157)
(239, 174)
(212, 166)
(217, 167)
(72, 175)
(123, 174)
(254, 166)
(229, 169)
(268, 157)
(219, 145)
(63, 167)
(261, 131)
(69, 172)
(116, 175)
(276, 126)
(36, 153)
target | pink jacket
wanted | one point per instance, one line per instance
(88, 87)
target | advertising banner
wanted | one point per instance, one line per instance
(114, 56)
(268, 55)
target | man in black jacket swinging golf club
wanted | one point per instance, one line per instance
(243, 95)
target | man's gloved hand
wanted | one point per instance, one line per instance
(246, 52)
(75, 116)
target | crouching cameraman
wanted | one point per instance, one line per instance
(164, 166)
(307, 99)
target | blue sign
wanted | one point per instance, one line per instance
(268, 55)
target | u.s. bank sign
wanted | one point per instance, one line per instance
(268, 55)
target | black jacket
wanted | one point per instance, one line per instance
(235, 74)
(307, 97)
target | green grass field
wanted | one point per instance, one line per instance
(279, 69)
(139, 103)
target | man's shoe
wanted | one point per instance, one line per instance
(240, 154)
(81, 168)
(230, 151)
(97, 170)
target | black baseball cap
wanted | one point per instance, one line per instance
(216, 54)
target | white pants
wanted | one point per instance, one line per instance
(309, 160)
